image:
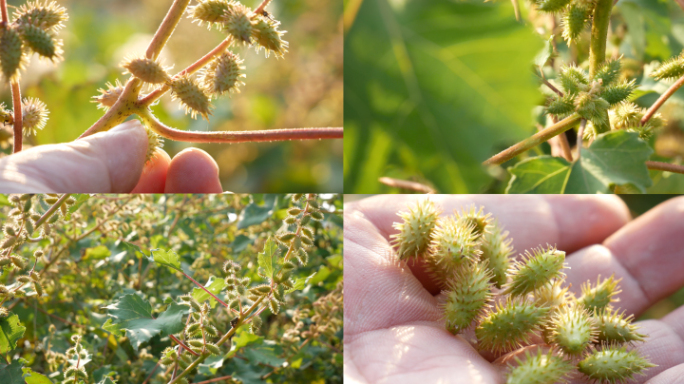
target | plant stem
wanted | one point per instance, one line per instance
(599, 35)
(166, 28)
(206, 290)
(534, 140)
(51, 210)
(223, 339)
(214, 380)
(239, 136)
(261, 7)
(180, 343)
(18, 119)
(16, 93)
(661, 166)
(662, 99)
(118, 112)
(194, 67)
(405, 184)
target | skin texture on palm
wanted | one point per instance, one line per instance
(393, 331)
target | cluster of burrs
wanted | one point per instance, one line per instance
(510, 303)
(224, 74)
(33, 29)
(75, 371)
(576, 14)
(601, 100)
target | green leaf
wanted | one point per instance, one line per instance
(213, 285)
(266, 352)
(266, 257)
(107, 380)
(12, 373)
(34, 377)
(545, 54)
(11, 330)
(97, 253)
(433, 88)
(240, 243)
(80, 199)
(301, 282)
(254, 214)
(134, 314)
(613, 159)
(112, 328)
(168, 258)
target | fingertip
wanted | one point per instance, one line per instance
(153, 177)
(193, 171)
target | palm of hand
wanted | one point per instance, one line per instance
(393, 331)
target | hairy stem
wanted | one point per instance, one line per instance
(261, 7)
(205, 290)
(599, 35)
(223, 339)
(534, 140)
(16, 93)
(239, 136)
(662, 99)
(18, 118)
(660, 166)
(166, 28)
(118, 112)
(51, 210)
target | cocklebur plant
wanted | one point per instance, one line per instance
(33, 29)
(529, 305)
(94, 257)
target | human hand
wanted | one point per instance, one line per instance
(393, 330)
(109, 162)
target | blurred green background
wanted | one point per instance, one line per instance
(434, 87)
(302, 90)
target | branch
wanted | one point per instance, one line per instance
(239, 136)
(534, 140)
(599, 35)
(18, 118)
(405, 184)
(660, 166)
(261, 7)
(16, 93)
(118, 112)
(166, 28)
(662, 99)
(174, 338)
(223, 339)
(51, 210)
(206, 290)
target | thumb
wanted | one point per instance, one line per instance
(106, 162)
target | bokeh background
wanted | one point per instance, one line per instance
(435, 87)
(302, 90)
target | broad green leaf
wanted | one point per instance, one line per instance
(266, 257)
(240, 243)
(433, 88)
(168, 258)
(254, 214)
(213, 285)
(4, 200)
(134, 315)
(266, 352)
(210, 365)
(80, 199)
(11, 330)
(107, 380)
(112, 328)
(247, 372)
(34, 377)
(97, 253)
(300, 283)
(12, 373)
(613, 159)
(245, 338)
(102, 373)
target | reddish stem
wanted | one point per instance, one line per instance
(206, 290)
(174, 338)
(660, 166)
(18, 119)
(214, 380)
(662, 99)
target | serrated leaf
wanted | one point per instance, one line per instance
(34, 377)
(167, 258)
(266, 257)
(11, 330)
(112, 328)
(266, 352)
(614, 158)
(213, 285)
(134, 315)
(12, 373)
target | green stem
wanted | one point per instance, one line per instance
(599, 35)
(531, 142)
(51, 210)
(225, 338)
